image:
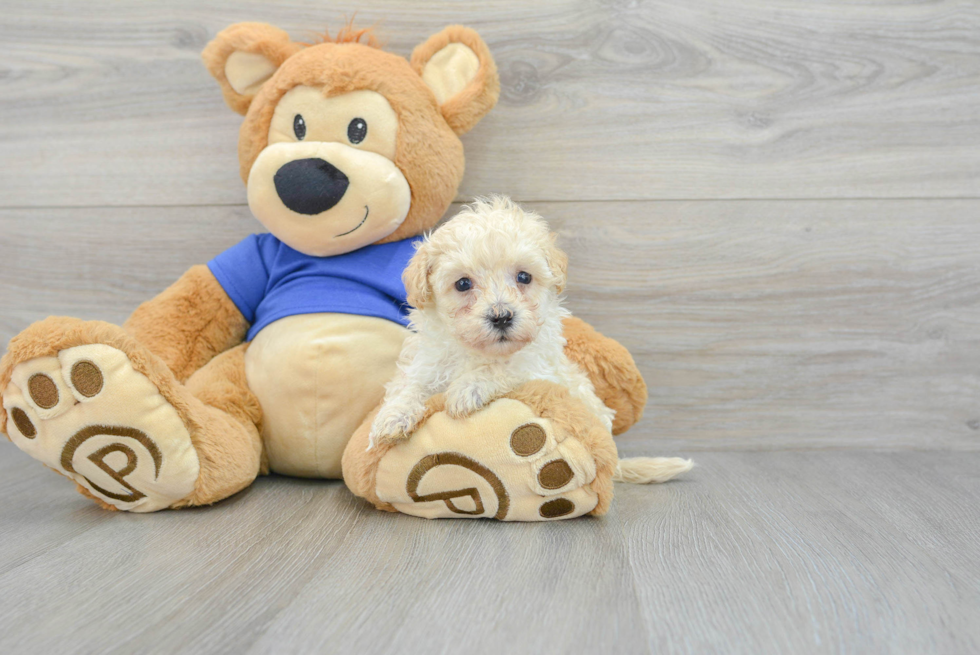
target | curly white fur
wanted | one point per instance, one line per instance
(455, 347)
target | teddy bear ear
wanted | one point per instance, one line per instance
(243, 57)
(456, 65)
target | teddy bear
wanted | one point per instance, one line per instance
(273, 357)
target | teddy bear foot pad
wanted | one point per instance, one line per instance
(454, 468)
(89, 415)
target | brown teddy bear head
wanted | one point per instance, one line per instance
(346, 145)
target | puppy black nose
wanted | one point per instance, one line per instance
(310, 186)
(501, 320)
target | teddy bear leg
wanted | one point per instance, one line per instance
(612, 370)
(229, 445)
(89, 401)
(536, 454)
(189, 323)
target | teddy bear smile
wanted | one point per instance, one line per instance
(367, 211)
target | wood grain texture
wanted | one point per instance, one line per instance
(810, 553)
(757, 324)
(818, 552)
(672, 99)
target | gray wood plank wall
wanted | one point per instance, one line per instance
(757, 324)
(775, 207)
(672, 99)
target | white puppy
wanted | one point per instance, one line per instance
(486, 288)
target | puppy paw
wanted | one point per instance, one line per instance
(392, 425)
(462, 402)
(380, 439)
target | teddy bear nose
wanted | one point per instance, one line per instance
(310, 186)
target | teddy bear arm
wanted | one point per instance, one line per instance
(611, 369)
(189, 323)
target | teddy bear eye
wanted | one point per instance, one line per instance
(464, 284)
(299, 127)
(524, 277)
(357, 130)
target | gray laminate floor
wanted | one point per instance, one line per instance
(753, 552)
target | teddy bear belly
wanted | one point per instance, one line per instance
(317, 376)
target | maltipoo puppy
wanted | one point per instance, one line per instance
(486, 288)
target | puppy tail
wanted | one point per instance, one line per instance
(644, 470)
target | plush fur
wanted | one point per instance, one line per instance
(211, 323)
(612, 370)
(463, 111)
(228, 445)
(256, 38)
(455, 347)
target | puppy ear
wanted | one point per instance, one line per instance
(456, 65)
(243, 57)
(557, 263)
(416, 278)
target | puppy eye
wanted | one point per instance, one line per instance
(524, 277)
(357, 130)
(299, 127)
(464, 284)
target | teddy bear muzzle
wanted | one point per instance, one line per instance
(327, 198)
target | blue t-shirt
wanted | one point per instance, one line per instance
(267, 280)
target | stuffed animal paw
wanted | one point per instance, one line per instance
(536, 454)
(96, 407)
